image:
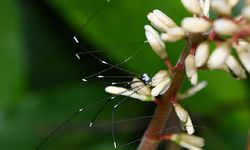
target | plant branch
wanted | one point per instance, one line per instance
(151, 137)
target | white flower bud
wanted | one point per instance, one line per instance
(115, 90)
(221, 7)
(173, 34)
(138, 86)
(162, 75)
(247, 2)
(190, 142)
(125, 92)
(202, 4)
(184, 118)
(191, 69)
(225, 27)
(192, 6)
(205, 7)
(155, 42)
(232, 3)
(189, 126)
(160, 21)
(201, 54)
(161, 88)
(235, 67)
(219, 56)
(243, 50)
(155, 22)
(195, 25)
(246, 12)
(193, 90)
(181, 113)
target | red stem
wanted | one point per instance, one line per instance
(151, 137)
(168, 64)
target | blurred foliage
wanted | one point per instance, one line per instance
(40, 77)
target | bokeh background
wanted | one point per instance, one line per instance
(40, 79)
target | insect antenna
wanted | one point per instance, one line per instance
(95, 51)
(85, 79)
(78, 54)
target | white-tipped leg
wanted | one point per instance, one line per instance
(84, 80)
(115, 145)
(100, 76)
(77, 56)
(104, 62)
(76, 39)
(80, 110)
(91, 123)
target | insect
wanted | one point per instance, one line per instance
(144, 81)
(144, 78)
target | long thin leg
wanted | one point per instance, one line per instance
(106, 100)
(113, 113)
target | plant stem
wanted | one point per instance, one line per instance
(151, 137)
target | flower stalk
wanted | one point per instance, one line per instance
(199, 31)
(151, 136)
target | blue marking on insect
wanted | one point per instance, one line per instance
(146, 79)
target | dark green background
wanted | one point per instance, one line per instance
(40, 79)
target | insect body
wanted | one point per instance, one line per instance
(146, 79)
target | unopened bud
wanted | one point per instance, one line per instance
(115, 90)
(247, 2)
(189, 126)
(225, 27)
(184, 118)
(205, 5)
(219, 56)
(192, 6)
(243, 50)
(190, 142)
(156, 22)
(221, 7)
(246, 12)
(193, 90)
(125, 92)
(232, 3)
(195, 25)
(159, 77)
(138, 86)
(173, 34)
(160, 21)
(191, 69)
(201, 54)
(235, 67)
(155, 42)
(161, 88)
(181, 113)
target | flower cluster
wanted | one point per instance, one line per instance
(226, 32)
(210, 44)
(157, 86)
